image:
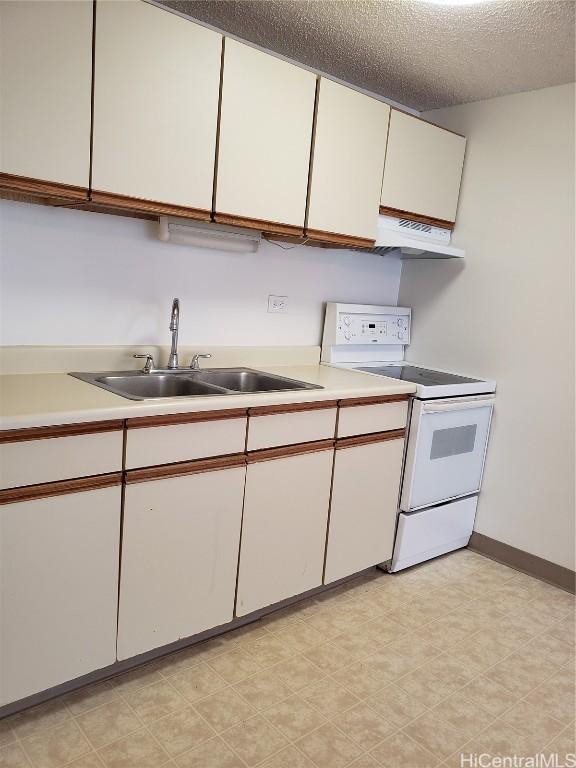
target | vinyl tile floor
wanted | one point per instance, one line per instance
(453, 659)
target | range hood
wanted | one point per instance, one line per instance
(413, 240)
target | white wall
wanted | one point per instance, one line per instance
(508, 311)
(72, 277)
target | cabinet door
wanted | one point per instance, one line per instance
(45, 92)
(179, 557)
(58, 588)
(364, 505)
(265, 134)
(423, 169)
(347, 163)
(157, 80)
(283, 529)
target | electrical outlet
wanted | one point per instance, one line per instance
(277, 303)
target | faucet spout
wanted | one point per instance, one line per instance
(174, 323)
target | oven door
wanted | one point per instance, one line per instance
(446, 449)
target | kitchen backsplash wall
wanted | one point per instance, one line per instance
(72, 277)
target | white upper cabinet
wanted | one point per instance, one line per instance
(348, 158)
(423, 168)
(266, 121)
(45, 81)
(157, 79)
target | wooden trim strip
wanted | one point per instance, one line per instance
(185, 468)
(375, 437)
(9, 181)
(268, 454)
(147, 206)
(61, 430)
(386, 211)
(271, 410)
(542, 569)
(269, 227)
(171, 419)
(60, 488)
(376, 400)
(334, 238)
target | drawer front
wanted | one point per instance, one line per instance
(59, 458)
(148, 446)
(364, 419)
(291, 428)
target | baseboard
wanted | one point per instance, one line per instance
(523, 561)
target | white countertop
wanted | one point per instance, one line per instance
(44, 399)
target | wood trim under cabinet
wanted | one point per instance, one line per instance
(375, 437)
(376, 400)
(185, 468)
(171, 419)
(269, 227)
(420, 218)
(60, 430)
(268, 454)
(119, 202)
(38, 187)
(60, 488)
(337, 240)
(271, 410)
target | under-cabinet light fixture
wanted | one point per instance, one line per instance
(206, 235)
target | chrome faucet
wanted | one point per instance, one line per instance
(174, 321)
(195, 364)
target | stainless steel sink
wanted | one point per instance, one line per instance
(246, 380)
(137, 385)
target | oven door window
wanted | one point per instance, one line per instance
(453, 441)
(445, 455)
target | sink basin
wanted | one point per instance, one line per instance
(136, 385)
(246, 380)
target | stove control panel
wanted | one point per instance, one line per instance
(348, 324)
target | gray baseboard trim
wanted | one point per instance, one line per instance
(144, 658)
(524, 561)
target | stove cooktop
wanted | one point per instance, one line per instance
(423, 376)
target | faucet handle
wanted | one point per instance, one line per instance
(149, 364)
(195, 365)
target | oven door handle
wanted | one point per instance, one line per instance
(441, 406)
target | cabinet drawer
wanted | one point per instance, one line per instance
(190, 436)
(33, 456)
(269, 427)
(372, 417)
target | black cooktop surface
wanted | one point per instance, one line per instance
(424, 376)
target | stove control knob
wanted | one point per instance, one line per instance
(400, 335)
(347, 320)
(400, 321)
(347, 335)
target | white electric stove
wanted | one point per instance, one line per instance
(447, 433)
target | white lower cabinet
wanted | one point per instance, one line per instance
(58, 589)
(179, 557)
(284, 527)
(364, 505)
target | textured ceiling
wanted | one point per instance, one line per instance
(417, 53)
